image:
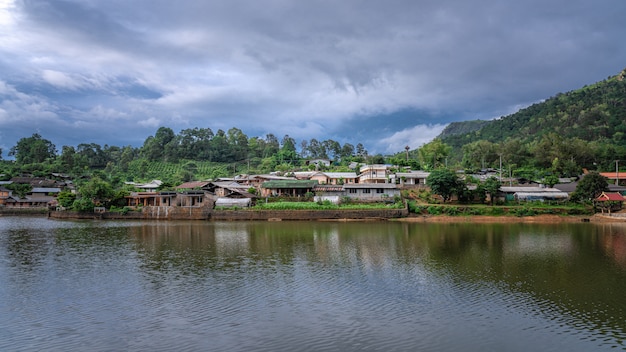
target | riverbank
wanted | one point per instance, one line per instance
(542, 219)
(321, 215)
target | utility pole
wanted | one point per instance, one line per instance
(617, 172)
(500, 167)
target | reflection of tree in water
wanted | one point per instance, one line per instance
(573, 269)
(566, 270)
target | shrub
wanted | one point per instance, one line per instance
(434, 210)
(451, 211)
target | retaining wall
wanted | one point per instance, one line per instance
(233, 215)
(203, 213)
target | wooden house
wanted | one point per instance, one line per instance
(287, 188)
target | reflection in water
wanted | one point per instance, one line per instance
(311, 286)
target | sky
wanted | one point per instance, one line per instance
(387, 74)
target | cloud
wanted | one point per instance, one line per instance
(311, 69)
(413, 137)
(60, 80)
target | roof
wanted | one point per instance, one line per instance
(340, 174)
(413, 174)
(614, 175)
(289, 184)
(45, 190)
(371, 185)
(229, 184)
(507, 189)
(193, 184)
(611, 197)
(230, 202)
(541, 195)
(150, 185)
(328, 188)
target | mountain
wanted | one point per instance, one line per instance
(463, 127)
(593, 113)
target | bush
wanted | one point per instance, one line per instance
(434, 210)
(83, 205)
(451, 211)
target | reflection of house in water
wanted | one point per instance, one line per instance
(232, 239)
(613, 242)
(530, 244)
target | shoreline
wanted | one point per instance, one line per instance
(341, 216)
(541, 219)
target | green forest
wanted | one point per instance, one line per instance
(584, 128)
(191, 154)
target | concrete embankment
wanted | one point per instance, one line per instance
(270, 215)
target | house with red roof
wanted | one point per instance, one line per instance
(610, 201)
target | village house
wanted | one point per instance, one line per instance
(287, 188)
(372, 192)
(610, 202)
(257, 180)
(412, 178)
(4, 195)
(531, 193)
(151, 199)
(328, 178)
(376, 173)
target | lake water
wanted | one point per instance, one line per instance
(310, 286)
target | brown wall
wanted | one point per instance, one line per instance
(231, 215)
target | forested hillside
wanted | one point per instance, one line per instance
(585, 127)
(593, 113)
(463, 127)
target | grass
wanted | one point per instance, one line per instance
(526, 209)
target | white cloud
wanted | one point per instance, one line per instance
(414, 137)
(61, 80)
(150, 122)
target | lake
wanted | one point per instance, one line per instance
(310, 286)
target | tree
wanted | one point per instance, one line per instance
(590, 187)
(492, 186)
(66, 198)
(287, 153)
(444, 182)
(97, 190)
(34, 149)
(479, 153)
(550, 180)
(434, 154)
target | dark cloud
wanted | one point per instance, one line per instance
(389, 73)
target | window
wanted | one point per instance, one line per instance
(366, 190)
(352, 190)
(380, 190)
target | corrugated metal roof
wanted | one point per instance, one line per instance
(233, 202)
(507, 189)
(45, 190)
(289, 184)
(370, 185)
(541, 195)
(341, 174)
(192, 185)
